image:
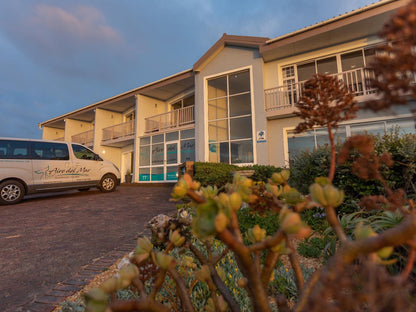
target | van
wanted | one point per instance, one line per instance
(32, 166)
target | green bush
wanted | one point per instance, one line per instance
(262, 172)
(309, 165)
(248, 219)
(219, 174)
(214, 174)
(311, 248)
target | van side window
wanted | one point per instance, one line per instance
(11, 149)
(50, 151)
(82, 152)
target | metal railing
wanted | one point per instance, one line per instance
(172, 119)
(282, 97)
(122, 130)
(84, 138)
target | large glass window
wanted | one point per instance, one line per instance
(229, 118)
(308, 141)
(160, 154)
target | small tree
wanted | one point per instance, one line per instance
(395, 63)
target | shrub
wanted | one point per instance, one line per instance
(262, 172)
(214, 174)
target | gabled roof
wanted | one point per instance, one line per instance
(228, 40)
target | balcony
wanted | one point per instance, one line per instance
(280, 101)
(84, 138)
(123, 131)
(170, 120)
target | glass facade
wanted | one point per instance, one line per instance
(161, 154)
(230, 135)
(297, 143)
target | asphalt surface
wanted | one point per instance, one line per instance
(48, 239)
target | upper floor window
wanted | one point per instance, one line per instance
(229, 119)
(339, 63)
(185, 102)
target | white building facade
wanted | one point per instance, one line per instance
(236, 104)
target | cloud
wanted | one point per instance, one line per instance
(70, 41)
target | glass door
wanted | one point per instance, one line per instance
(171, 157)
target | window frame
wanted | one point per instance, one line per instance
(228, 118)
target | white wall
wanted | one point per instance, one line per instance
(103, 119)
(73, 127)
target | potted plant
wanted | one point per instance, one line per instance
(128, 177)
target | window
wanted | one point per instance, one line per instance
(50, 151)
(14, 149)
(229, 118)
(308, 141)
(160, 154)
(82, 152)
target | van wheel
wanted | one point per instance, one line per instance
(11, 192)
(108, 183)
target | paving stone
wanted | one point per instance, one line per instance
(38, 307)
(49, 300)
(70, 288)
(75, 282)
(60, 293)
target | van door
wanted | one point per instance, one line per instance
(51, 165)
(87, 165)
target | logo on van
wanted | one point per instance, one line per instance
(57, 172)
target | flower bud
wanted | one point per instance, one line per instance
(332, 195)
(235, 201)
(221, 222)
(179, 191)
(110, 285)
(164, 261)
(203, 274)
(317, 194)
(259, 234)
(176, 238)
(385, 252)
(277, 178)
(292, 223)
(285, 173)
(242, 282)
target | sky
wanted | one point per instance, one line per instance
(57, 56)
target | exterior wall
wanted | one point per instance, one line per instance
(103, 119)
(73, 127)
(146, 107)
(228, 60)
(52, 133)
(272, 75)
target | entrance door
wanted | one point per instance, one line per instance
(171, 150)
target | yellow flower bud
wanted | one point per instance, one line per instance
(221, 222)
(235, 201)
(385, 252)
(163, 260)
(291, 223)
(110, 285)
(176, 238)
(259, 234)
(285, 173)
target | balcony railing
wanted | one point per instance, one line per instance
(173, 119)
(84, 138)
(283, 98)
(122, 130)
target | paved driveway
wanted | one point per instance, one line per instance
(47, 240)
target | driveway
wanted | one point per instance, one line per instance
(47, 242)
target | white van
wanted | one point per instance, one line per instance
(32, 166)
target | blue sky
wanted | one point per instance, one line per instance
(60, 55)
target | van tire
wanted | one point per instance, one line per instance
(108, 183)
(11, 192)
